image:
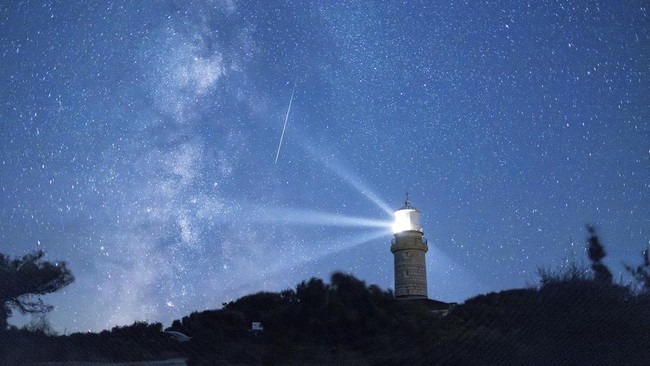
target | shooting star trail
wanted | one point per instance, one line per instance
(286, 119)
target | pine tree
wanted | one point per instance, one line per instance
(23, 280)
(596, 253)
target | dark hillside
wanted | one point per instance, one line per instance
(564, 322)
(571, 322)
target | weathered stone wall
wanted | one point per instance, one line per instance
(409, 250)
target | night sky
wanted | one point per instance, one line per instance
(138, 142)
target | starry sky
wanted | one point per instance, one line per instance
(138, 142)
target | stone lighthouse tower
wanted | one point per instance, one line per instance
(409, 248)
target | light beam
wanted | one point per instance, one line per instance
(292, 216)
(350, 178)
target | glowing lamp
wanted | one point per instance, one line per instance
(406, 219)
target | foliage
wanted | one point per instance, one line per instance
(572, 321)
(312, 295)
(641, 273)
(588, 323)
(40, 323)
(577, 272)
(596, 252)
(23, 280)
(573, 273)
(574, 317)
(136, 342)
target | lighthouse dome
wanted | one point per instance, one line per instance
(407, 218)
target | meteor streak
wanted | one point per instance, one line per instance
(286, 118)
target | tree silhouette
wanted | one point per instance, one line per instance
(312, 295)
(641, 273)
(596, 253)
(23, 280)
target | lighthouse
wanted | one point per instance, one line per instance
(409, 248)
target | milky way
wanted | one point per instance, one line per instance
(138, 144)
